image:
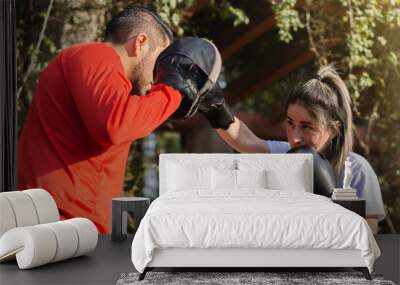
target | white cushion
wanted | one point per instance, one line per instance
(7, 218)
(283, 163)
(173, 166)
(26, 208)
(66, 237)
(293, 181)
(46, 207)
(87, 233)
(251, 178)
(224, 179)
(23, 208)
(283, 174)
(188, 177)
(40, 244)
(230, 180)
(32, 246)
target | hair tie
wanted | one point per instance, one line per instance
(319, 78)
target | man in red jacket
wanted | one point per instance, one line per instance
(84, 117)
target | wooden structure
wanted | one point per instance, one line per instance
(267, 61)
(262, 58)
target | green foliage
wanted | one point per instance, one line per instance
(361, 23)
(361, 36)
(177, 13)
(228, 11)
(133, 182)
(171, 12)
(287, 18)
(84, 20)
(270, 102)
(367, 36)
(168, 142)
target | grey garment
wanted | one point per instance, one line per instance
(364, 179)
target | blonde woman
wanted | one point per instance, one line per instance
(318, 114)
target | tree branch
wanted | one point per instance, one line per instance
(36, 51)
(313, 47)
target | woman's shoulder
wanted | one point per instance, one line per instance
(362, 173)
(360, 163)
(366, 182)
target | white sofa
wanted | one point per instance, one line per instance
(31, 233)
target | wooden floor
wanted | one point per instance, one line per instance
(389, 262)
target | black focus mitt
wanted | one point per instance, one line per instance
(324, 175)
(192, 66)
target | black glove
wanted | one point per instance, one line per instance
(192, 66)
(180, 73)
(214, 108)
(324, 175)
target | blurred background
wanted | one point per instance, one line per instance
(267, 47)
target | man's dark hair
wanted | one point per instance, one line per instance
(136, 19)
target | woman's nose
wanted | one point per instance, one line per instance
(297, 138)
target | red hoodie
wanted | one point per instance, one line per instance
(79, 128)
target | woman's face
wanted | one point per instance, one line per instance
(304, 129)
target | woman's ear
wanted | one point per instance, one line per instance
(336, 128)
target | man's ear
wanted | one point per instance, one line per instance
(140, 45)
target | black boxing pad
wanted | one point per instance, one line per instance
(192, 66)
(324, 175)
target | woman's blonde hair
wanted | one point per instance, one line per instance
(326, 97)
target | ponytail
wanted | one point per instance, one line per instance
(327, 98)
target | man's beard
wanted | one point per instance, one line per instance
(140, 85)
(140, 88)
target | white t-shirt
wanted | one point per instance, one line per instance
(363, 179)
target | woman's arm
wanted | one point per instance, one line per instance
(373, 224)
(242, 139)
(366, 182)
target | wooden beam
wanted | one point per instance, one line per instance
(262, 126)
(278, 61)
(247, 37)
(253, 32)
(275, 75)
(289, 58)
